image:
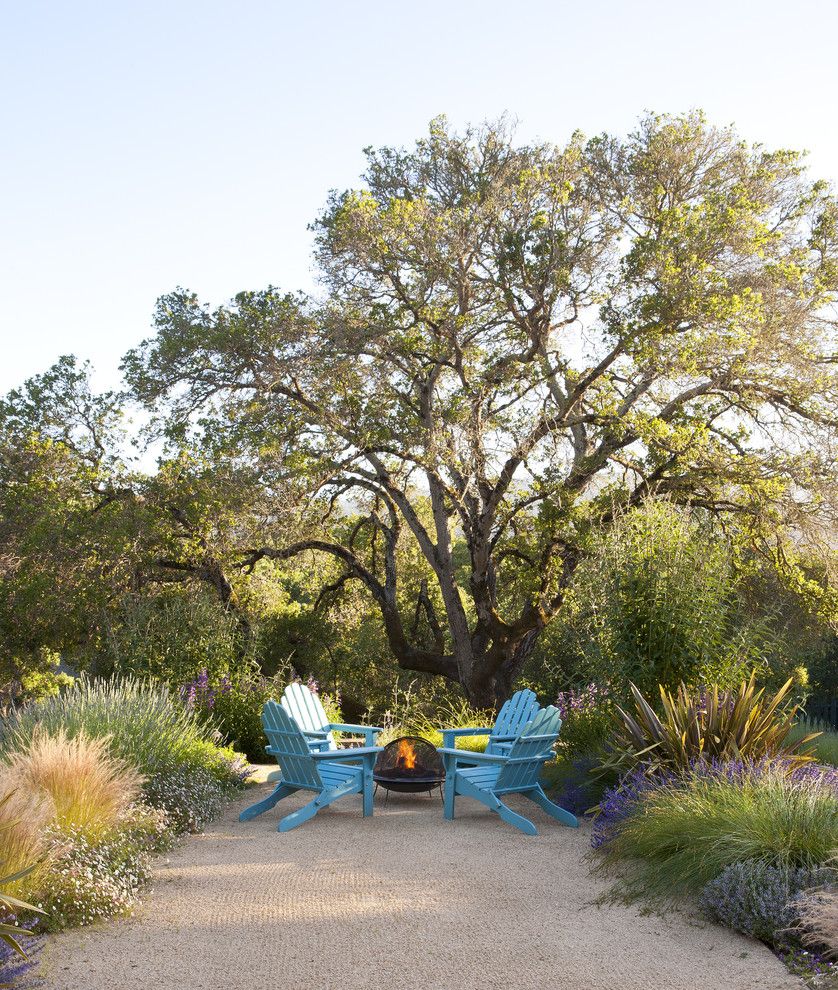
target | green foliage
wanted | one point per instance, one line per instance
(660, 601)
(684, 833)
(233, 706)
(710, 725)
(824, 746)
(171, 637)
(410, 717)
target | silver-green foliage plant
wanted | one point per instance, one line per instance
(187, 772)
(758, 899)
(147, 726)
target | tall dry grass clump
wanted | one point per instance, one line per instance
(818, 913)
(24, 816)
(89, 789)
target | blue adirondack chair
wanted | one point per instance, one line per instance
(330, 774)
(304, 706)
(496, 775)
(513, 716)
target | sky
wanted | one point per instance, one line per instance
(153, 145)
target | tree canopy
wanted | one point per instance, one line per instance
(512, 344)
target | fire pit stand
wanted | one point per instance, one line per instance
(409, 764)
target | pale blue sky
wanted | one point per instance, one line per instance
(148, 145)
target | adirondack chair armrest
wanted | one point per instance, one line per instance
(315, 733)
(335, 755)
(472, 757)
(348, 727)
(369, 732)
(467, 732)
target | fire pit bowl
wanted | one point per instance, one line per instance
(409, 764)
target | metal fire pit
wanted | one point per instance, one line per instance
(409, 764)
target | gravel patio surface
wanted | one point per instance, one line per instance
(401, 900)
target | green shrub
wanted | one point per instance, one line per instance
(660, 601)
(587, 720)
(709, 725)
(170, 637)
(233, 706)
(680, 834)
(407, 719)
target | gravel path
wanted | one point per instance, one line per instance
(402, 900)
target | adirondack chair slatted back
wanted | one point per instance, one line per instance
(526, 756)
(306, 709)
(290, 748)
(514, 715)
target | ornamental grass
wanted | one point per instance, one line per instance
(676, 834)
(89, 789)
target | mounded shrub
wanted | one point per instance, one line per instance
(758, 899)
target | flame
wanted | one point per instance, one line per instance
(405, 755)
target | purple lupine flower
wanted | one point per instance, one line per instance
(580, 699)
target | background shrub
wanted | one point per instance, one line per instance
(587, 720)
(758, 899)
(666, 596)
(412, 715)
(170, 636)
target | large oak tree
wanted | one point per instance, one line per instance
(514, 343)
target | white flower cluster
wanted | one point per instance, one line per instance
(191, 797)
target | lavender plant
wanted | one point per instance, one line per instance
(758, 898)
(20, 971)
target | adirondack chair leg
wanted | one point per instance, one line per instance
(450, 792)
(323, 800)
(298, 817)
(541, 799)
(281, 791)
(494, 803)
(367, 791)
(509, 816)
